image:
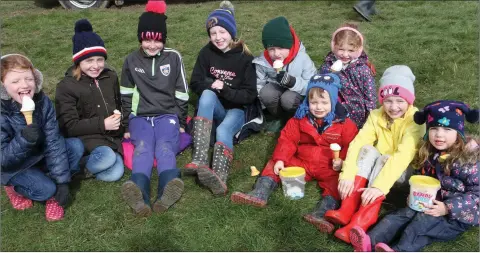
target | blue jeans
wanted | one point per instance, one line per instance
(34, 184)
(105, 164)
(417, 230)
(229, 121)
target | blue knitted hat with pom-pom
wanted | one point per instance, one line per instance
(224, 17)
(86, 43)
(329, 82)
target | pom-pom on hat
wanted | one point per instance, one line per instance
(86, 43)
(397, 81)
(329, 82)
(446, 113)
(224, 17)
(152, 23)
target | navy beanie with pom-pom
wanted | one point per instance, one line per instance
(86, 43)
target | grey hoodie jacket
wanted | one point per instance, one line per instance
(302, 68)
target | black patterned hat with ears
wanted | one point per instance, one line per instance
(447, 113)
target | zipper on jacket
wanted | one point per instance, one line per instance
(153, 66)
(101, 94)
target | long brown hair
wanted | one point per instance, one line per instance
(458, 153)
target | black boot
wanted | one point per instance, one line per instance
(202, 128)
(216, 178)
(170, 189)
(316, 217)
(136, 192)
(366, 8)
(83, 173)
(259, 196)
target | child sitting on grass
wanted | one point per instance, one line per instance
(155, 97)
(444, 155)
(305, 142)
(281, 91)
(357, 94)
(395, 135)
(37, 162)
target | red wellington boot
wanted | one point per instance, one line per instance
(349, 205)
(364, 218)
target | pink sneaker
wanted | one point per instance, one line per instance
(18, 201)
(53, 211)
(360, 240)
(382, 247)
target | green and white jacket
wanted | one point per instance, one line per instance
(154, 85)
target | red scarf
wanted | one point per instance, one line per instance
(293, 50)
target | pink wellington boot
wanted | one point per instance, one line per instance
(360, 240)
(53, 210)
(18, 201)
(382, 247)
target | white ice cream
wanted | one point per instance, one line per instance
(335, 147)
(278, 64)
(337, 66)
(27, 104)
(117, 112)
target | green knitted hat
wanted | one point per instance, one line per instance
(276, 33)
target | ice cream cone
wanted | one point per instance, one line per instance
(117, 113)
(28, 106)
(254, 171)
(28, 116)
(336, 150)
(336, 154)
(278, 65)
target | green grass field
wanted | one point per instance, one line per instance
(438, 40)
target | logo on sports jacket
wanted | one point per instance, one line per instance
(165, 69)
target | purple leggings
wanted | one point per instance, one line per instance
(154, 137)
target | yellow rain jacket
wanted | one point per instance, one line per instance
(400, 142)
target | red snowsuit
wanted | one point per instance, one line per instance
(301, 145)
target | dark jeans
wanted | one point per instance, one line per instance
(34, 184)
(280, 101)
(416, 230)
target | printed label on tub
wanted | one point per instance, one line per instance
(419, 199)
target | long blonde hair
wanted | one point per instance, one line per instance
(240, 43)
(458, 153)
